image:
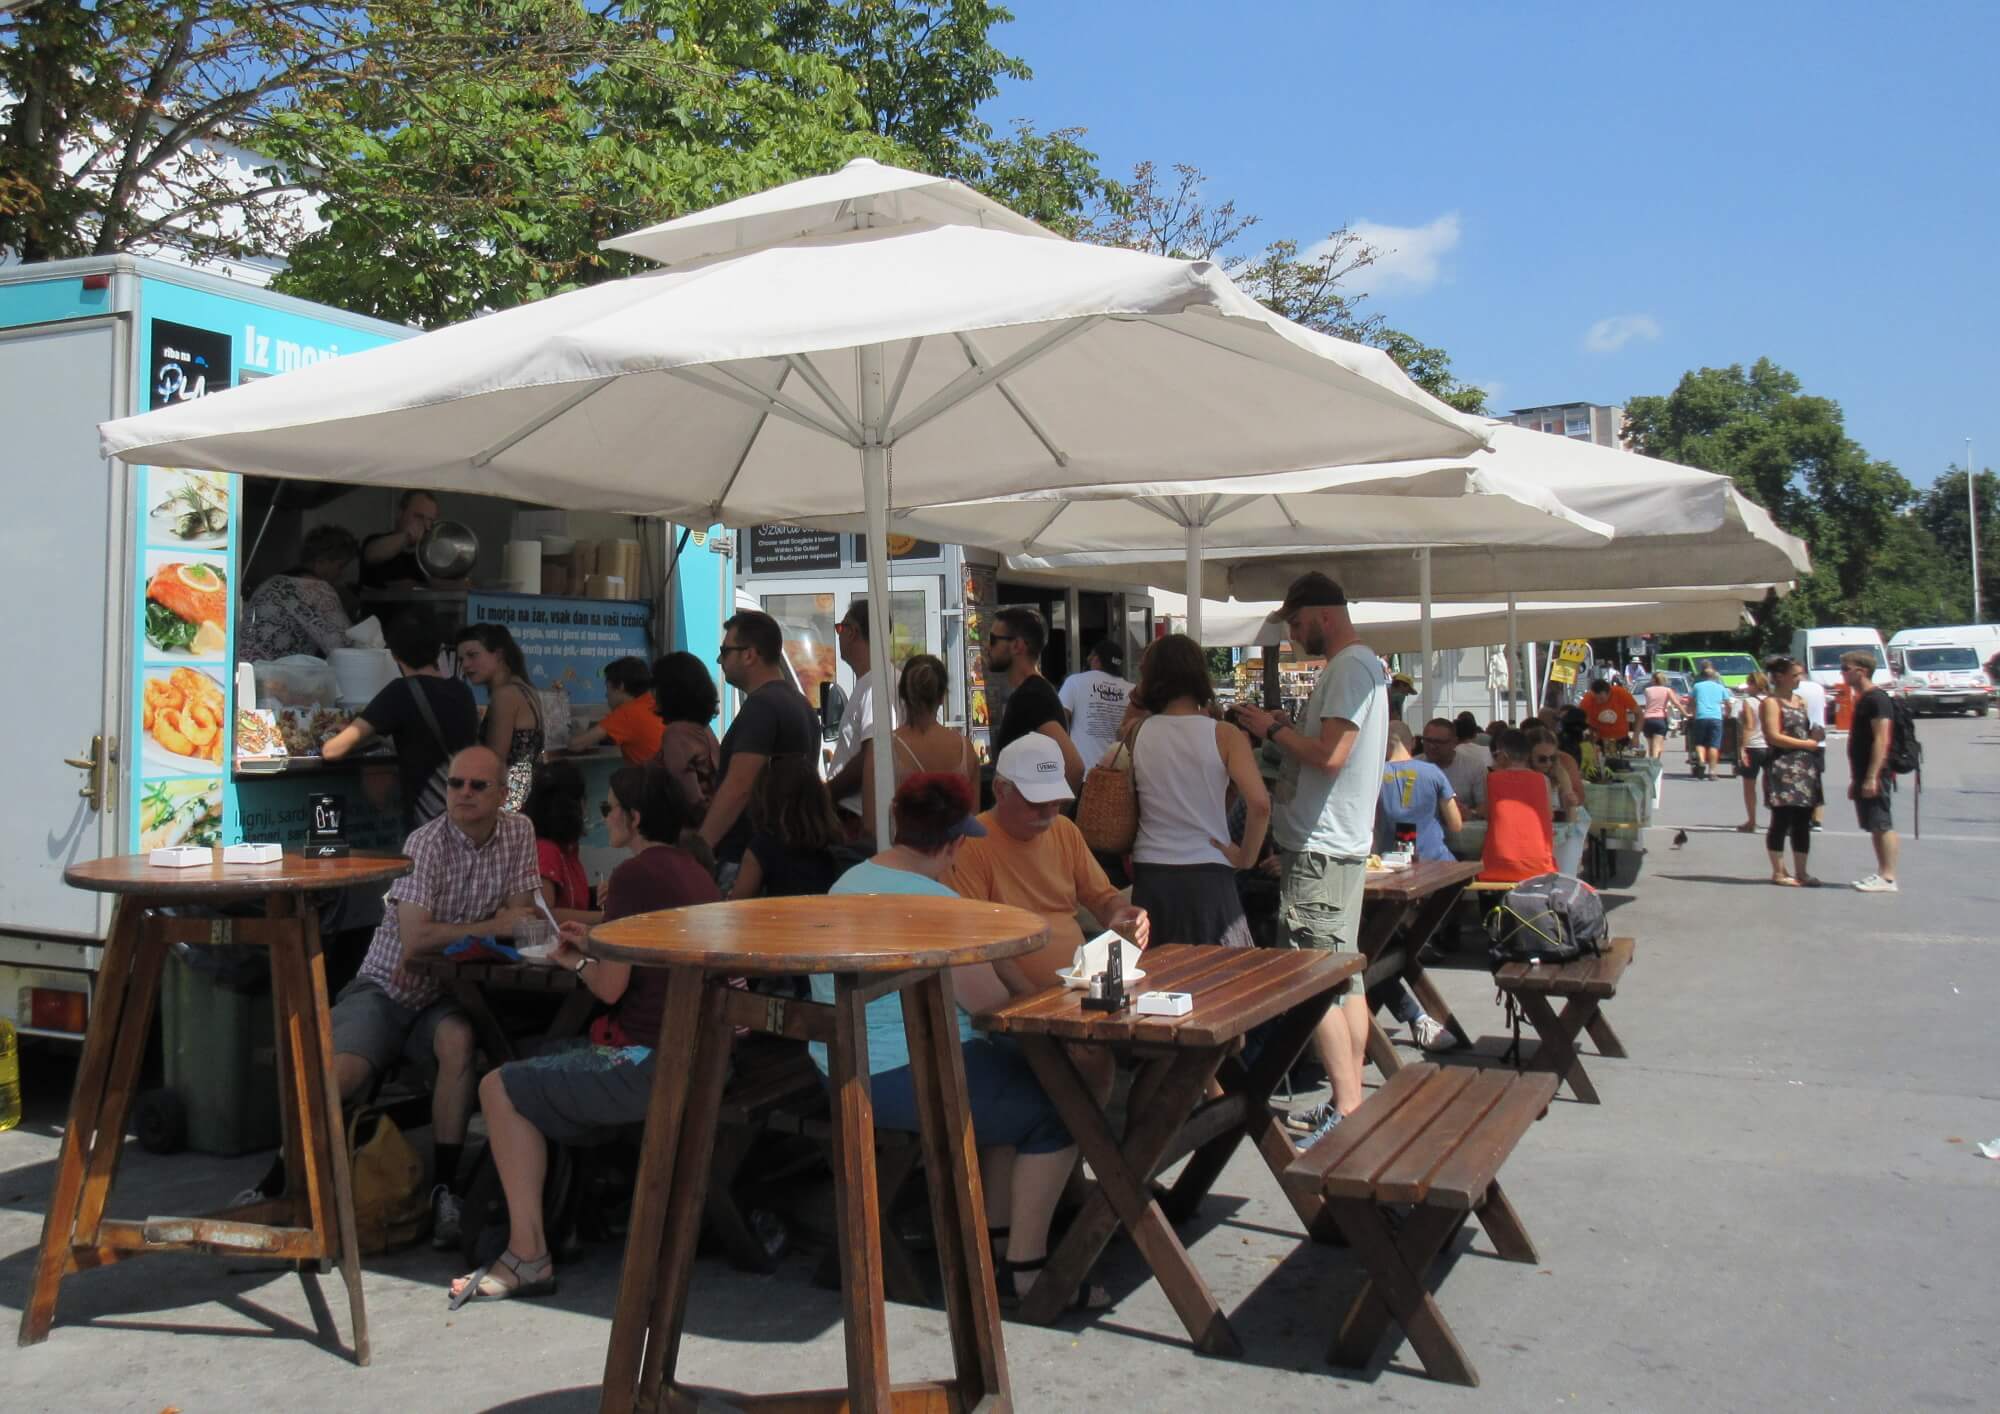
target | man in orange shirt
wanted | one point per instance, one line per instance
(633, 724)
(1610, 711)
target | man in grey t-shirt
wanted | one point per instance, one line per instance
(1323, 817)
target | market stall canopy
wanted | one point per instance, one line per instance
(891, 196)
(1397, 628)
(728, 392)
(1324, 508)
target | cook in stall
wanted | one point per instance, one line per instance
(389, 560)
(299, 611)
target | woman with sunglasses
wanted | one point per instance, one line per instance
(1565, 778)
(604, 1081)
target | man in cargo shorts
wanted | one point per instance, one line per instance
(1323, 818)
(472, 874)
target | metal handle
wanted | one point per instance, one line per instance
(93, 789)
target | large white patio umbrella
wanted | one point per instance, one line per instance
(849, 343)
(1321, 510)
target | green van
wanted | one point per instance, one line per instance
(1732, 667)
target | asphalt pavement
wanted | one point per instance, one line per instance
(1779, 1204)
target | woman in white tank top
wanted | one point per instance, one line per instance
(1753, 753)
(1183, 765)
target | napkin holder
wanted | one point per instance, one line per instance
(1107, 987)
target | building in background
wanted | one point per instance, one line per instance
(1599, 423)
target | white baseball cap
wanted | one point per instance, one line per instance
(1034, 764)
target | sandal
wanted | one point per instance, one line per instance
(1749, 828)
(477, 1288)
(1786, 880)
(1087, 1298)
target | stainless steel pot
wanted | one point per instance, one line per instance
(447, 550)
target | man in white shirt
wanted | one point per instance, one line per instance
(1464, 763)
(1813, 695)
(854, 748)
(1323, 818)
(1095, 700)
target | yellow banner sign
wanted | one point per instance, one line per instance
(1574, 650)
(1564, 673)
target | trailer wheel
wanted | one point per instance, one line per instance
(160, 1120)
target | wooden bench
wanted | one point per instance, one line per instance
(1584, 984)
(1431, 1140)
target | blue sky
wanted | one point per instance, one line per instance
(1585, 201)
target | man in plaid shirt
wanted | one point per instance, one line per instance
(473, 874)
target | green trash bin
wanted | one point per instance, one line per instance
(219, 1056)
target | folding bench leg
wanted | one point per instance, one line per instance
(1396, 1289)
(1557, 1051)
(725, 1216)
(1503, 1225)
(1606, 1039)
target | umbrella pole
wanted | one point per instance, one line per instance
(1194, 580)
(875, 501)
(1513, 656)
(1424, 627)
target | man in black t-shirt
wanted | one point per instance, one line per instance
(1867, 760)
(420, 751)
(389, 560)
(1014, 647)
(774, 720)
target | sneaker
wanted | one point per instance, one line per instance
(1875, 884)
(1312, 1124)
(447, 1216)
(1432, 1036)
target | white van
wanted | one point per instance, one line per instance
(1820, 649)
(1943, 669)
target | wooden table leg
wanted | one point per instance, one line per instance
(1122, 1197)
(1288, 1037)
(1422, 928)
(859, 1225)
(114, 975)
(492, 1036)
(680, 1034)
(1557, 1049)
(302, 1092)
(688, 1194)
(329, 1117)
(958, 1203)
(121, 1081)
(1600, 1032)
(1397, 1288)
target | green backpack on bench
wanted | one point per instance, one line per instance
(1549, 918)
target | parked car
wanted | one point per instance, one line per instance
(1732, 667)
(1940, 677)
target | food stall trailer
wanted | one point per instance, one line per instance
(138, 581)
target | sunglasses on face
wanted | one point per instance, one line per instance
(467, 783)
(729, 648)
(1543, 760)
(1001, 637)
(1438, 741)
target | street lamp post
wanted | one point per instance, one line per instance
(1972, 525)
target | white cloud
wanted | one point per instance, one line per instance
(1409, 257)
(1610, 335)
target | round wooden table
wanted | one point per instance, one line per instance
(872, 945)
(311, 1225)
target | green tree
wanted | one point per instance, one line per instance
(1945, 514)
(1430, 368)
(1790, 452)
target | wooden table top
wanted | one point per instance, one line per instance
(1234, 989)
(778, 937)
(132, 874)
(1421, 879)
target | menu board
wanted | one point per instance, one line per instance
(184, 614)
(568, 642)
(790, 547)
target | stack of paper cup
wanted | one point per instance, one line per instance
(521, 566)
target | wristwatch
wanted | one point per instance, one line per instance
(582, 963)
(1271, 733)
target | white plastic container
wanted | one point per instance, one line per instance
(360, 673)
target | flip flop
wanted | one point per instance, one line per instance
(522, 1290)
(1786, 881)
(1746, 829)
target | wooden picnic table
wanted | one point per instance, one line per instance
(873, 946)
(1234, 990)
(313, 1222)
(1401, 911)
(469, 980)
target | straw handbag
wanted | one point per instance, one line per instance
(1108, 810)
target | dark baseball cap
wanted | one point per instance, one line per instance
(1310, 590)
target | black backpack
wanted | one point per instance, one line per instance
(1906, 753)
(1549, 918)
